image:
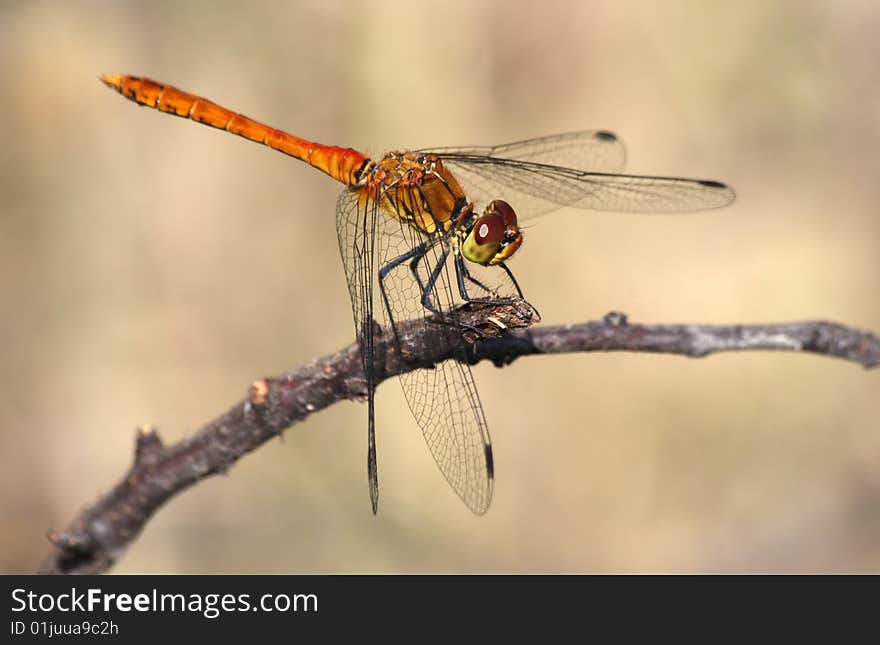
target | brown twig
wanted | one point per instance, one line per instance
(99, 535)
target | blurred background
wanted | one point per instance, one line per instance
(151, 268)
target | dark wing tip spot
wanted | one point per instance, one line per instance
(604, 135)
(490, 462)
(710, 183)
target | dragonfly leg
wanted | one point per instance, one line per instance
(414, 255)
(448, 317)
(414, 269)
(432, 281)
(462, 274)
(519, 291)
(470, 278)
(513, 280)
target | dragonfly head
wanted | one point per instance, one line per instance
(494, 236)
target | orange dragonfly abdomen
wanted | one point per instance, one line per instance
(343, 164)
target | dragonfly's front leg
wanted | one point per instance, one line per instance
(518, 301)
(462, 274)
(427, 293)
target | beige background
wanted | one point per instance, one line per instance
(150, 269)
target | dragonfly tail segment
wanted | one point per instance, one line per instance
(343, 164)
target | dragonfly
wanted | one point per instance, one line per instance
(415, 241)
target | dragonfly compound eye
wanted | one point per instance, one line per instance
(497, 223)
(504, 210)
(489, 229)
(494, 236)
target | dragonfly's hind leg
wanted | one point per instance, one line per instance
(414, 269)
(414, 255)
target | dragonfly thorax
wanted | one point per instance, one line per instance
(416, 189)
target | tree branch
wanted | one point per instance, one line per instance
(100, 534)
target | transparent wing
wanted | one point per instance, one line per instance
(594, 150)
(578, 169)
(534, 188)
(444, 401)
(357, 244)
(555, 186)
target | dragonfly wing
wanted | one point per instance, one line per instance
(354, 228)
(446, 405)
(535, 188)
(444, 400)
(593, 150)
